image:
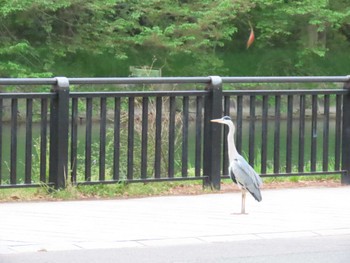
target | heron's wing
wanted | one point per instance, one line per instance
(232, 175)
(246, 171)
(247, 177)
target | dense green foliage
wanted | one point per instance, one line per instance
(199, 37)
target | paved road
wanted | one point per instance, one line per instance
(288, 224)
(310, 249)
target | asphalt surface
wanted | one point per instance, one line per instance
(289, 225)
(312, 249)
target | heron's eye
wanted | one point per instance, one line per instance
(226, 118)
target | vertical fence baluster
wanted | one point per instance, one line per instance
(289, 133)
(144, 153)
(338, 118)
(116, 141)
(29, 142)
(74, 140)
(158, 138)
(102, 157)
(346, 135)
(325, 133)
(171, 141)
(130, 171)
(198, 151)
(314, 133)
(59, 130)
(212, 142)
(13, 162)
(239, 123)
(227, 105)
(301, 134)
(252, 130)
(225, 162)
(43, 139)
(264, 129)
(1, 111)
(88, 139)
(184, 157)
(276, 155)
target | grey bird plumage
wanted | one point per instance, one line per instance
(239, 170)
(245, 176)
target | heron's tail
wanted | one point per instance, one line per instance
(256, 194)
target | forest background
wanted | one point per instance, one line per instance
(105, 38)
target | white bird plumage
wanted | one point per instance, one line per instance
(239, 169)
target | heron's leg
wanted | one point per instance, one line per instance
(243, 201)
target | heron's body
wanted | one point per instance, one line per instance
(245, 177)
(240, 171)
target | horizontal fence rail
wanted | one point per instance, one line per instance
(127, 134)
(175, 80)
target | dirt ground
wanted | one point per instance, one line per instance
(230, 187)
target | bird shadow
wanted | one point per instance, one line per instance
(240, 214)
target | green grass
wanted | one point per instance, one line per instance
(123, 190)
(296, 179)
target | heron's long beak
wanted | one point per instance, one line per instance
(216, 120)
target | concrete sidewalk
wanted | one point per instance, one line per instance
(173, 220)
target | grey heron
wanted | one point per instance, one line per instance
(240, 171)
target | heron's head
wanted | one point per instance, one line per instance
(224, 120)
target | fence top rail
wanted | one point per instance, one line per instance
(129, 80)
(147, 80)
(174, 80)
(139, 94)
(307, 79)
(286, 92)
(28, 81)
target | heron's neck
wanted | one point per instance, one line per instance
(232, 150)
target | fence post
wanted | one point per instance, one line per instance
(59, 123)
(345, 179)
(212, 134)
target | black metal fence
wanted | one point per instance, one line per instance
(165, 134)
